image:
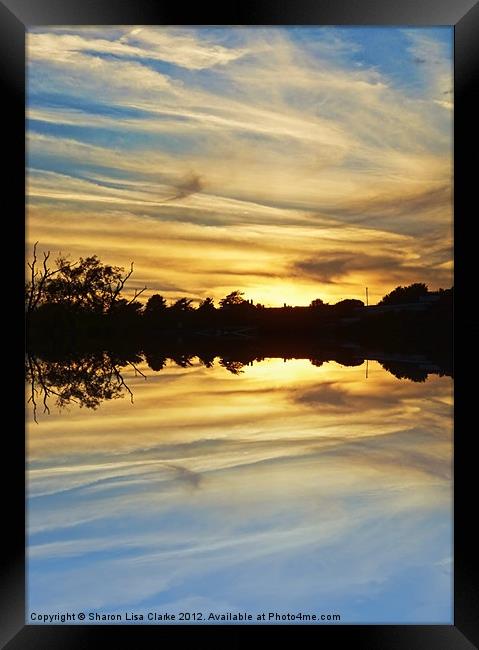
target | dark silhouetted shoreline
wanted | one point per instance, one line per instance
(81, 331)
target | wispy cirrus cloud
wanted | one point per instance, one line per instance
(178, 46)
(187, 507)
(231, 127)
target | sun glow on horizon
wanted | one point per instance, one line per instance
(287, 163)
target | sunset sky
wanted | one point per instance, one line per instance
(291, 163)
(289, 487)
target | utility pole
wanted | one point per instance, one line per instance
(367, 298)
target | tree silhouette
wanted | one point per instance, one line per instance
(207, 305)
(40, 278)
(207, 359)
(182, 359)
(182, 305)
(317, 362)
(156, 360)
(86, 380)
(402, 295)
(233, 366)
(126, 308)
(85, 285)
(80, 307)
(155, 306)
(410, 371)
(233, 299)
(347, 306)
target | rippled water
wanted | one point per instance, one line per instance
(285, 488)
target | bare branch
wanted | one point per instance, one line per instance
(31, 296)
(45, 260)
(137, 293)
(121, 381)
(44, 390)
(119, 287)
(136, 369)
(37, 288)
(46, 408)
(33, 391)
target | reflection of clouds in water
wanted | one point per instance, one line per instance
(334, 505)
(171, 406)
(334, 396)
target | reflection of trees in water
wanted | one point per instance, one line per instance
(86, 381)
(183, 360)
(92, 378)
(235, 367)
(156, 361)
(207, 359)
(410, 371)
(317, 362)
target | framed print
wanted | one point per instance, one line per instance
(243, 236)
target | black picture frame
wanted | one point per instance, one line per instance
(18, 15)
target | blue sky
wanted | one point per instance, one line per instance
(268, 146)
(290, 163)
(287, 487)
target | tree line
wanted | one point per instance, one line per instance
(83, 302)
(91, 378)
(89, 285)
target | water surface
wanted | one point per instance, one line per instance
(286, 487)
